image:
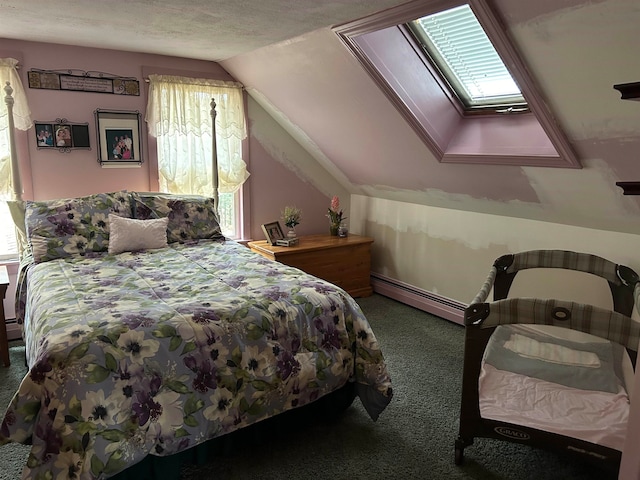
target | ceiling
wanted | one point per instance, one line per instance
(298, 71)
(212, 30)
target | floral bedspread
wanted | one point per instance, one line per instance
(155, 352)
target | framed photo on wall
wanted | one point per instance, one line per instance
(62, 135)
(45, 135)
(273, 232)
(119, 138)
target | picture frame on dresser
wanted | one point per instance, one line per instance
(272, 232)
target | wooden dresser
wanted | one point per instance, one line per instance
(345, 262)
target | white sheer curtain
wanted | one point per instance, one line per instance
(22, 121)
(179, 116)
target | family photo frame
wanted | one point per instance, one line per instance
(119, 138)
(273, 232)
(62, 135)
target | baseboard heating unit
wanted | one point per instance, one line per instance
(429, 302)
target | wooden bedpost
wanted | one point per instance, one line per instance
(214, 153)
(15, 169)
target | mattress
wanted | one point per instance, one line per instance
(557, 380)
(153, 352)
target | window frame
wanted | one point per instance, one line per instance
(241, 195)
(548, 147)
(447, 74)
(6, 231)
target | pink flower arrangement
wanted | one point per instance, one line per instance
(335, 213)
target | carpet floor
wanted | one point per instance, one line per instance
(413, 438)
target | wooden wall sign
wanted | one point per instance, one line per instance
(81, 81)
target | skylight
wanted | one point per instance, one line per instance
(389, 51)
(458, 45)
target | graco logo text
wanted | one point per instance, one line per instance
(511, 433)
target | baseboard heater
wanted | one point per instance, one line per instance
(416, 297)
(14, 331)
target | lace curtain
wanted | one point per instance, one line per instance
(179, 116)
(21, 119)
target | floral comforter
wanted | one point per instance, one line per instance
(155, 352)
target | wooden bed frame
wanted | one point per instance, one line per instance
(482, 318)
(169, 467)
(15, 168)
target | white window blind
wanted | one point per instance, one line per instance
(458, 44)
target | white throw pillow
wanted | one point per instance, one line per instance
(129, 234)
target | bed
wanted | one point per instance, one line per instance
(149, 336)
(550, 373)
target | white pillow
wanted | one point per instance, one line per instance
(129, 234)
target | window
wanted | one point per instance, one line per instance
(456, 43)
(179, 116)
(8, 244)
(412, 79)
(228, 208)
(22, 121)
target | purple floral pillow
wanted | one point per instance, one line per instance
(73, 226)
(191, 217)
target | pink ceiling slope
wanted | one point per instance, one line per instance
(575, 51)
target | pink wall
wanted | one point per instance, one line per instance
(486, 139)
(56, 174)
(285, 188)
(51, 174)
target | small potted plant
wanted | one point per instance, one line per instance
(291, 217)
(336, 215)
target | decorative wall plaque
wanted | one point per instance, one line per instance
(81, 81)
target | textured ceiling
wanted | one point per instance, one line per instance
(201, 29)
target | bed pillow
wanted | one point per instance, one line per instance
(577, 370)
(191, 217)
(129, 234)
(73, 226)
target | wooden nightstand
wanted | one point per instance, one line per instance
(345, 262)
(4, 343)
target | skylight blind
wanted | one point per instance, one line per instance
(467, 58)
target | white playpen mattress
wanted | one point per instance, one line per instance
(557, 380)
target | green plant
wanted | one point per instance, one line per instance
(291, 216)
(335, 213)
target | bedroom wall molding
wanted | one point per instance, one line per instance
(424, 300)
(83, 81)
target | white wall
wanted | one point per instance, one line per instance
(449, 252)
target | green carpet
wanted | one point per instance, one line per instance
(413, 438)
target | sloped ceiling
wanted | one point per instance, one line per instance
(576, 51)
(296, 68)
